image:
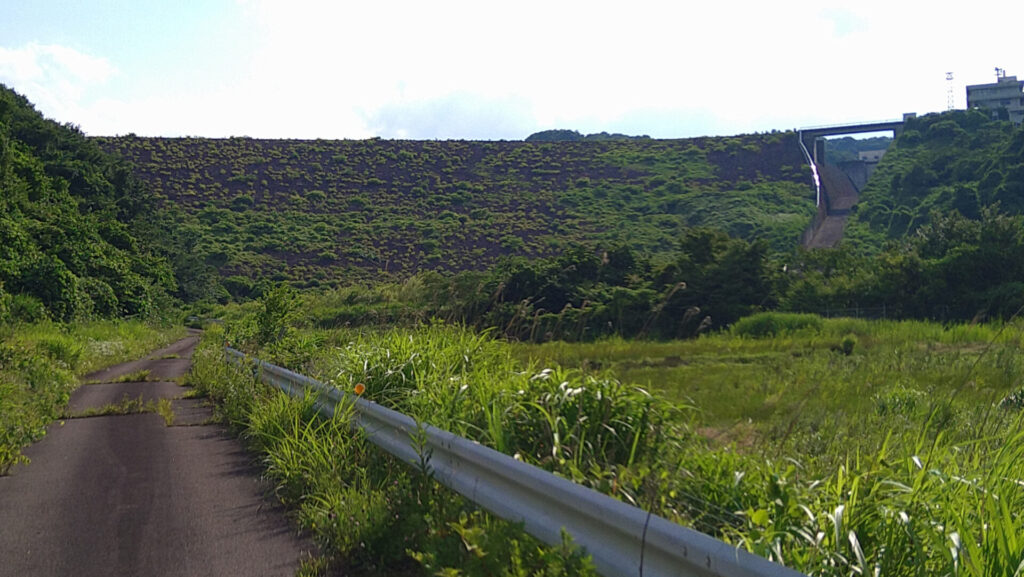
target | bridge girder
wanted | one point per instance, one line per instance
(813, 138)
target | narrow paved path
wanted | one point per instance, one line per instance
(130, 495)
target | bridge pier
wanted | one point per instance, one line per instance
(819, 150)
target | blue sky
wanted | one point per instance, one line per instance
(494, 70)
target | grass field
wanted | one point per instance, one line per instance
(780, 391)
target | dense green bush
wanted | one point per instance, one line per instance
(5, 305)
(771, 324)
(955, 161)
(78, 233)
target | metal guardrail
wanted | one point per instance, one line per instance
(622, 540)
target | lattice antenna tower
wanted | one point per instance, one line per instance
(950, 105)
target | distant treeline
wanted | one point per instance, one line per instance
(845, 149)
(561, 135)
(954, 269)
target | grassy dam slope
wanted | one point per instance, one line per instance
(322, 212)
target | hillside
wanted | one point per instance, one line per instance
(956, 161)
(77, 234)
(326, 212)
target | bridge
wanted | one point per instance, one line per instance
(813, 137)
(836, 192)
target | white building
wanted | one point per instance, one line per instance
(871, 155)
(1007, 93)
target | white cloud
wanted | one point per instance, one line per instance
(569, 64)
(471, 69)
(57, 79)
(454, 116)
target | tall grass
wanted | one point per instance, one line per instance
(370, 513)
(899, 456)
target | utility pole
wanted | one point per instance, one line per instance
(949, 91)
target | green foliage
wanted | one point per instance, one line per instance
(848, 343)
(895, 457)
(27, 309)
(331, 213)
(5, 305)
(73, 224)
(277, 307)
(838, 150)
(955, 161)
(368, 511)
(709, 282)
(953, 268)
(773, 324)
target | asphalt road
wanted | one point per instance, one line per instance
(130, 495)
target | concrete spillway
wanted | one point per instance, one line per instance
(838, 196)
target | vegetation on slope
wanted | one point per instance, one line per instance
(78, 237)
(954, 269)
(938, 232)
(81, 242)
(709, 282)
(328, 212)
(956, 161)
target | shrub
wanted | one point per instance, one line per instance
(239, 287)
(104, 301)
(27, 309)
(770, 324)
(276, 309)
(5, 305)
(847, 344)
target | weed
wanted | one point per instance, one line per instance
(771, 324)
(139, 376)
(126, 406)
(165, 409)
(847, 344)
(193, 393)
(368, 511)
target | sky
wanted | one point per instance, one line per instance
(495, 70)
